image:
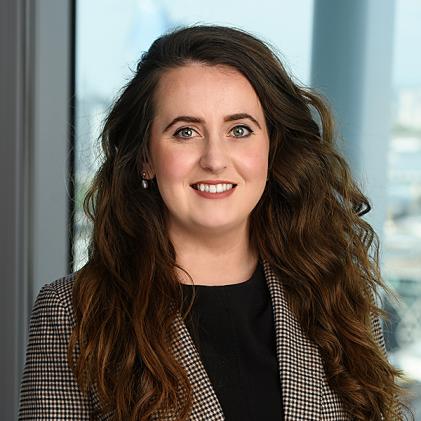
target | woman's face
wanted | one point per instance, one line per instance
(208, 129)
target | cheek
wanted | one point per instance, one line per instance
(173, 165)
(255, 164)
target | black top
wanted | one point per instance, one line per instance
(233, 329)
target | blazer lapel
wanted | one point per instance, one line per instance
(300, 365)
(205, 402)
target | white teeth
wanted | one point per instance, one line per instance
(214, 188)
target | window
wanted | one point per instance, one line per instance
(402, 256)
(108, 47)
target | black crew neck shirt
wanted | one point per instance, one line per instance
(233, 329)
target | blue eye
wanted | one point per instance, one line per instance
(242, 131)
(184, 132)
(238, 131)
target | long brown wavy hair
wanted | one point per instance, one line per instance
(308, 225)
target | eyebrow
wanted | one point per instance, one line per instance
(232, 117)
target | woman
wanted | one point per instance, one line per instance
(230, 273)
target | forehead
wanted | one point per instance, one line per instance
(205, 87)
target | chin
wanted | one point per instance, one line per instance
(217, 226)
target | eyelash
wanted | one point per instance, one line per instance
(244, 126)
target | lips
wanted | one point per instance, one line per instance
(214, 188)
(218, 191)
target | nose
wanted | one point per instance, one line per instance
(214, 156)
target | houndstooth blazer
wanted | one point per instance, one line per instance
(49, 390)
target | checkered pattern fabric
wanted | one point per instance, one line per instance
(49, 390)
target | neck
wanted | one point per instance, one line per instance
(225, 258)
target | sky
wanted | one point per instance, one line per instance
(407, 31)
(111, 35)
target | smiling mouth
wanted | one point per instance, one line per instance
(214, 188)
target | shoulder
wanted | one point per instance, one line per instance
(54, 301)
(61, 288)
(49, 389)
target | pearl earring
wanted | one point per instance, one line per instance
(145, 183)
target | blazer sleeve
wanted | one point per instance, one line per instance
(49, 390)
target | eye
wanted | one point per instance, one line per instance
(184, 132)
(241, 131)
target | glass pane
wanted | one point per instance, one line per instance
(402, 248)
(111, 35)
